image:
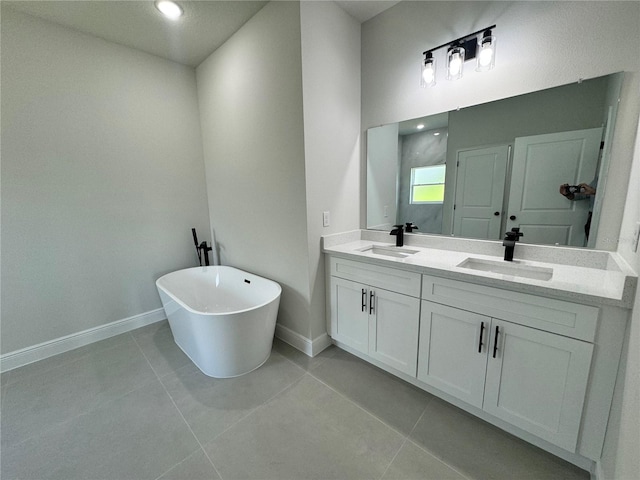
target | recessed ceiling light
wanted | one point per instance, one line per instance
(436, 133)
(169, 9)
(420, 127)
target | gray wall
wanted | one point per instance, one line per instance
(383, 152)
(250, 94)
(419, 150)
(331, 95)
(281, 145)
(102, 179)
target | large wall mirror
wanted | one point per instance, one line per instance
(480, 171)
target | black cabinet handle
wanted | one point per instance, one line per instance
(497, 214)
(495, 342)
(481, 333)
(512, 217)
(371, 300)
(364, 300)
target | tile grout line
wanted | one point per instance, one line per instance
(410, 440)
(286, 387)
(259, 406)
(357, 405)
(405, 440)
(226, 429)
(179, 413)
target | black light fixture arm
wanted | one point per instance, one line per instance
(458, 40)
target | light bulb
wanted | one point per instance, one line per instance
(455, 63)
(428, 75)
(169, 9)
(486, 52)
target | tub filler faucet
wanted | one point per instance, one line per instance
(202, 248)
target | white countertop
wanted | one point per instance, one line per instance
(612, 283)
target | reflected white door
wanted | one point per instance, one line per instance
(479, 192)
(542, 163)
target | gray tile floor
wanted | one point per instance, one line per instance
(135, 407)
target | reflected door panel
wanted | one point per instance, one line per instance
(541, 163)
(480, 181)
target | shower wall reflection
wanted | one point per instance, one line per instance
(421, 149)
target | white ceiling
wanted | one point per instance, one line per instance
(205, 26)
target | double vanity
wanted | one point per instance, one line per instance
(531, 346)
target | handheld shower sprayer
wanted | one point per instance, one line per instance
(195, 241)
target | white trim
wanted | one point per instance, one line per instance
(596, 471)
(25, 356)
(320, 343)
(302, 343)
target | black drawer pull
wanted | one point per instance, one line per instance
(371, 300)
(495, 342)
(481, 333)
(364, 300)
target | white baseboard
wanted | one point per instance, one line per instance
(302, 343)
(28, 355)
(596, 471)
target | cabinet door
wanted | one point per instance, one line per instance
(537, 381)
(393, 330)
(453, 351)
(349, 313)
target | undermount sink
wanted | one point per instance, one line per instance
(395, 252)
(508, 268)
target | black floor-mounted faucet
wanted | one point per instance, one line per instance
(200, 249)
(509, 243)
(398, 231)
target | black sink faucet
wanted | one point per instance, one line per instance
(410, 226)
(398, 231)
(509, 242)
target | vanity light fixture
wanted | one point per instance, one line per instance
(459, 51)
(169, 9)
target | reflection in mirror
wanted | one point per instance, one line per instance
(480, 171)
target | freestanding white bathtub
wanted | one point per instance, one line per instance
(223, 318)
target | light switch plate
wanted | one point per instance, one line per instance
(325, 219)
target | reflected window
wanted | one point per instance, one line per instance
(427, 184)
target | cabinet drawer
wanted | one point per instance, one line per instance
(392, 279)
(556, 316)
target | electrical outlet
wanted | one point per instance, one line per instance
(325, 219)
(386, 211)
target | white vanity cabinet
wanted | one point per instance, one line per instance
(530, 378)
(521, 358)
(542, 367)
(369, 314)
